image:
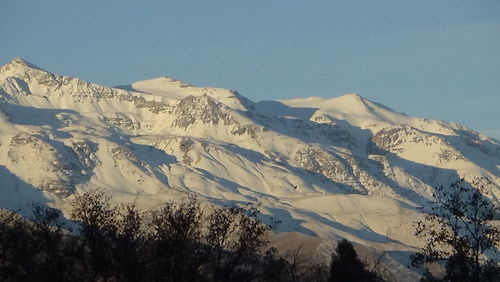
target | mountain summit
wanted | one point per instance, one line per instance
(328, 167)
(20, 63)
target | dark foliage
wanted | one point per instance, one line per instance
(15, 247)
(117, 243)
(346, 266)
(177, 242)
(458, 231)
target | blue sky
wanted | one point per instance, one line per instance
(435, 59)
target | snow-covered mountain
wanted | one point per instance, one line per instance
(342, 166)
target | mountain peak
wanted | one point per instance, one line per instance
(19, 62)
(353, 96)
(163, 82)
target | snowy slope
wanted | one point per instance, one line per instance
(342, 166)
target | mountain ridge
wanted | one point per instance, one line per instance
(310, 162)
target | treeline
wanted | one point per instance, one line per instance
(178, 242)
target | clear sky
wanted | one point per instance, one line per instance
(438, 59)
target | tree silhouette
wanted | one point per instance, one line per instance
(346, 266)
(96, 217)
(458, 231)
(176, 242)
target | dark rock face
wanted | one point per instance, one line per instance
(203, 109)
